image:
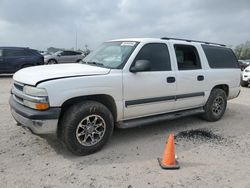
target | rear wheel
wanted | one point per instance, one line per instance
(216, 105)
(86, 127)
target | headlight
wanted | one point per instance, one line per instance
(36, 98)
(34, 91)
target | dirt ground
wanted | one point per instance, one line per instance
(130, 158)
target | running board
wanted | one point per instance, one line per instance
(157, 118)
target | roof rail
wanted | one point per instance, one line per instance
(189, 40)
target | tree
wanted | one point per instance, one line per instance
(242, 51)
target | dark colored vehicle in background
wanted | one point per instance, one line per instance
(243, 64)
(13, 59)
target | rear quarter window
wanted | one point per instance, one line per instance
(35, 52)
(28, 52)
(220, 57)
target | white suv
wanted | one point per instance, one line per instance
(245, 79)
(125, 83)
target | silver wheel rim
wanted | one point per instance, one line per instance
(218, 105)
(90, 130)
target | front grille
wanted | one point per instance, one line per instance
(18, 87)
(18, 99)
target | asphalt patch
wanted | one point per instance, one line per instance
(201, 135)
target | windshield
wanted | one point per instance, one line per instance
(111, 54)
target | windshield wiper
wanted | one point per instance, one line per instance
(95, 63)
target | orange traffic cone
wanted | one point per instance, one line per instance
(168, 160)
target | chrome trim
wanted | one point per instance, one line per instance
(16, 99)
(18, 86)
(18, 83)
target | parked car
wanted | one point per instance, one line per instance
(245, 79)
(63, 57)
(15, 58)
(243, 64)
(125, 83)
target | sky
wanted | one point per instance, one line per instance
(41, 24)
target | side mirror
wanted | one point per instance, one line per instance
(140, 66)
(59, 55)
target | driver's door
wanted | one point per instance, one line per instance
(150, 92)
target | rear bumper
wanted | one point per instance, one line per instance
(233, 92)
(39, 122)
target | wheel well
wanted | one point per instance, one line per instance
(223, 87)
(106, 100)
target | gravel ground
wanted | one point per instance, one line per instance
(130, 158)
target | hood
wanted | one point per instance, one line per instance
(33, 75)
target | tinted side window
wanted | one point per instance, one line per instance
(77, 53)
(71, 53)
(219, 57)
(157, 54)
(187, 57)
(1, 53)
(63, 53)
(67, 53)
(13, 52)
(28, 52)
(34, 52)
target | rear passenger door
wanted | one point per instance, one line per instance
(191, 79)
(153, 91)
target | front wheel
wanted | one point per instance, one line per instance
(51, 62)
(86, 127)
(215, 106)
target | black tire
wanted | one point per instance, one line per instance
(217, 102)
(78, 60)
(73, 117)
(51, 62)
(243, 83)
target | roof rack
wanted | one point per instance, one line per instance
(189, 40)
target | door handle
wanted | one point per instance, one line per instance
(170, 79)
(200, 78)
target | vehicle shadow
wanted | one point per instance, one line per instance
(148, 142)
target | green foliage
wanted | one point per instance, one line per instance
(242, 51)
